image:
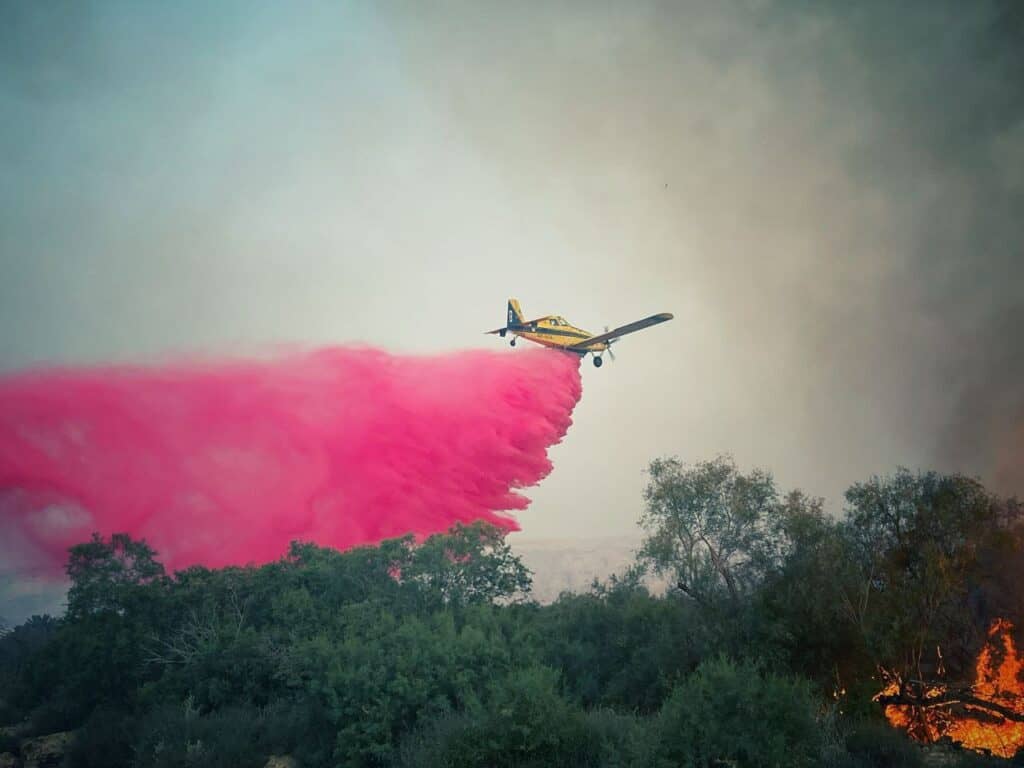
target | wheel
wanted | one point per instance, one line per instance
(512, 343)
(597, 362)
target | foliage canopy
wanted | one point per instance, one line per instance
(431, 653)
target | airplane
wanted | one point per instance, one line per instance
(554, 331)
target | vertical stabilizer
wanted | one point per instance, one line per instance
(515, 314)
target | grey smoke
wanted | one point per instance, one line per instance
(829, 196)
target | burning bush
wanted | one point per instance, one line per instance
(987, 716)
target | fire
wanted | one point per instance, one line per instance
(987, 717)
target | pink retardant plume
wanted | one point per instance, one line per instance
(226, 463)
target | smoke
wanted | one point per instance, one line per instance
(226, 463)
(948, 92)
(828, 196)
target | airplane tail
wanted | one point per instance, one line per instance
(515, 314)
(513, 320)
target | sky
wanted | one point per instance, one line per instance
(828, 196)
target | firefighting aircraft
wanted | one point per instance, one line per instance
(555, 331)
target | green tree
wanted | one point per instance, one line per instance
(736, 713)
(105, 572)
(713, 529)
(922, 547)
(803, 600)
(95, 655)
(18, 650)
(621, 647)
(523, 722)
(469, 565)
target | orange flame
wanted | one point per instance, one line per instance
(981, 719)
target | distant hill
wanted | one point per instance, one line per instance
(560, 565)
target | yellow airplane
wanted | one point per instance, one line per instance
(555, 331)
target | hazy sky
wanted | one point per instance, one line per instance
(829, 197)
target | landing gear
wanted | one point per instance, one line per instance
(512, 343)
(597, 361)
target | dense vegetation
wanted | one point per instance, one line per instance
(763, 653)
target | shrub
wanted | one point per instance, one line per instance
(61, 713)
(104, 741)
(730, 711)
(969, 759)
(179, 737)
(612, 739)
(620, 647)
(8, 743)
(525, 723)
(436, 743)
(877, 745)
(8, 713)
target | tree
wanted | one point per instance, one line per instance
(104, 572)
(715, 530)
(621, 647)
(93, 656)
(471, 564)
(803, 600)
(18, 647)
(926, 551)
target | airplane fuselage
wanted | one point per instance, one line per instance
(556, 332)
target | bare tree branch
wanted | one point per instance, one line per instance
(929, 698)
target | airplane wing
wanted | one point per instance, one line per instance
(633, 327)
